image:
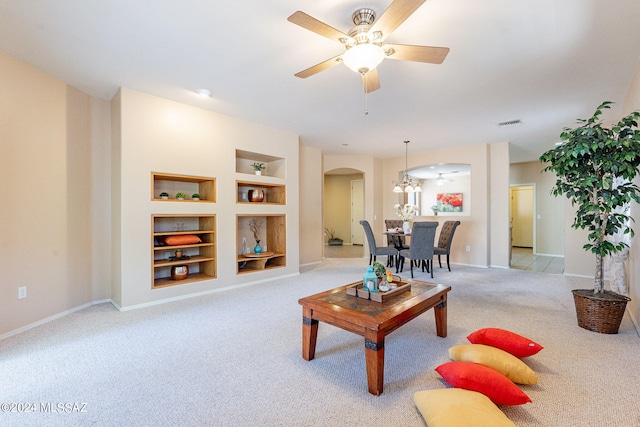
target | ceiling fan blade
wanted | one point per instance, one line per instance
(405, 52)
(324, 65)
(397, 12)
(312, 24)
(371, 81)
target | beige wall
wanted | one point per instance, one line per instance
(48, 132)
(158, 135)
(474, 231)
(311, 202)
(632, 103)
(550, 227)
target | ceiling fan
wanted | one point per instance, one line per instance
(441, 180)
(364, 45)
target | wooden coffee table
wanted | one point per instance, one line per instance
(372, 320)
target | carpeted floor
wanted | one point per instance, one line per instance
(234, 359)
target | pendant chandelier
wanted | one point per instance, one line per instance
(406, 185)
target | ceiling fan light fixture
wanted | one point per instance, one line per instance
(363, 58)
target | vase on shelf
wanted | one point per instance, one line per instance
(406, 228)
(179, 272)
(256, 196)
(257, 249)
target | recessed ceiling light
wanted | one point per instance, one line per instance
(204, 93)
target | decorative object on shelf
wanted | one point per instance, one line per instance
(181, 196)
(595, 168)
(179, 253)
(449, 202)
(255, 225)
(179, 272)
(370, 280)
(256, 196)
(407, 184)
(164, 195)
(195, 196)
(435, 209)
(258, 167)
(331, 236)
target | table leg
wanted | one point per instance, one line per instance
(374, 355)
(440, 311)
(309, 335)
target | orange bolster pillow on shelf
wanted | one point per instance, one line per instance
(183, 239)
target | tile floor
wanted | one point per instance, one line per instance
(521, 258)
(524, 259)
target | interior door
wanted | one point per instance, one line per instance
(357, 211)
(522, 216)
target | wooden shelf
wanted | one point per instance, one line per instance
(273, 237)
(202, 255)
(274, 194)
(247, 265)
(189, 185)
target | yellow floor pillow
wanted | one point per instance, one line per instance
(456, 407)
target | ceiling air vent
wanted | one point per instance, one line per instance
(509, 123)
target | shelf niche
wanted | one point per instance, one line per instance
(274, 166)
(274, 194)
(189, 185)
(202, 255)
(272, 239)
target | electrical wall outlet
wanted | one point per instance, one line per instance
(468, 248)
(22, 292)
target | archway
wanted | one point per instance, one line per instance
(343, 208)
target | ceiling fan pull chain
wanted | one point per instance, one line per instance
(366, 96)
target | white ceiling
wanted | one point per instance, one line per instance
(544, 62)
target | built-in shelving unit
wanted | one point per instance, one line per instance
(189, 185)
(273, 193)
(199, 256)
(272, 239)
(274, 166)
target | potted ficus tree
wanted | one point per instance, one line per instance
(595, 166)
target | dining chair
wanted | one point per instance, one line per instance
(389, 251)
(397, 242)
(423, 236)
(444, 241)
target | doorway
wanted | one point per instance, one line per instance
(343, 209)
(522, 223)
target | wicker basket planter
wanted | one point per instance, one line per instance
(602, 313)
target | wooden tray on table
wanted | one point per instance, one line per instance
(357, 290)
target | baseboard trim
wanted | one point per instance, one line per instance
(197, 294)
(51, 318)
